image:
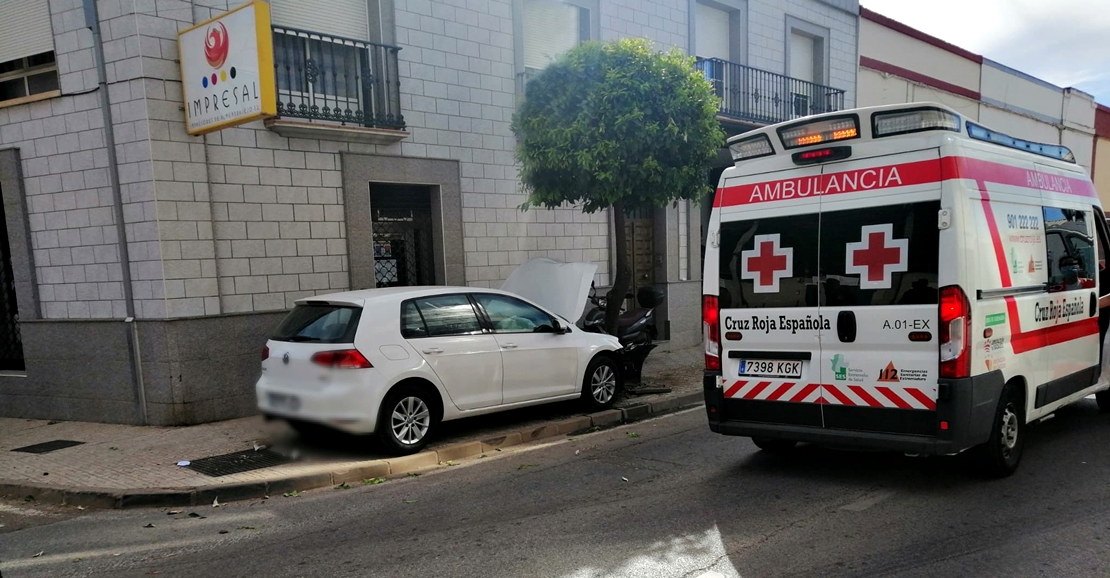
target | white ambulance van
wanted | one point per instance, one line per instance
(900, 277)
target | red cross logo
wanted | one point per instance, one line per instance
(877, 257)
(767, 263)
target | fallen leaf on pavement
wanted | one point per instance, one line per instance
(149, 526)
(576, 452)
(292, 494)
(195, 515)
(410, 501)
(223, 531)
(80, 507)
(482, 456)
(39, 554)
(173, 512)
(246, 527)
(623, 479)
(412, 475)
(451, 463)
(343, 486)
(522, 466)
(633, 434)
(373, 481)
(216, 502)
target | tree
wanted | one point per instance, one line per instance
(617, 125)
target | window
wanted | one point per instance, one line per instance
(28, 76)
(753, 268)
(878, 274)
(319, 323)
(508, 315)
(441, 316)
(1072, 261)
(712, 32)
(551, 28)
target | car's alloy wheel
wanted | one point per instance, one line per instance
(603, 384)
(410, 420)
(600, 383)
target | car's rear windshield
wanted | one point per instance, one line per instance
(319, 323)
(884, 255)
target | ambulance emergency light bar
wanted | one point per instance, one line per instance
(751, 148)
(913, 120)
(819, 132)
(979, 132)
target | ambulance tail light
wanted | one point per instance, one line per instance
(955, 333)
(711, 328)
(898, 122)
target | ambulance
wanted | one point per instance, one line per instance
(899, 277)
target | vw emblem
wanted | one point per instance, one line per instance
(285, 358)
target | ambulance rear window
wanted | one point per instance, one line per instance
(885, 255)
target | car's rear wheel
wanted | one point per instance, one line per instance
(774, 446)
(408, 420)
(601, 383)
(1103, 399)
(1000, 456)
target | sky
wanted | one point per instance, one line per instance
(1065, 42)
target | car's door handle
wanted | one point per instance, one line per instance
(509, 346)
(433, 350)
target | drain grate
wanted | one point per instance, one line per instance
(47, 447)
(237, 462)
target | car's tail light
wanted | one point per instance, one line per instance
(711, 328)
(955, 333)
(265, 352)
(342, 359)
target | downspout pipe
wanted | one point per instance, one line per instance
(92, 21)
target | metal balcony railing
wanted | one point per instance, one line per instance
(758, 96)
(321, 77)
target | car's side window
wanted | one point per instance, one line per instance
(508, 315)
(412, 324)
(1070, 255)
(440, 316)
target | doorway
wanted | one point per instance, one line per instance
(401, 222)
(11, 342)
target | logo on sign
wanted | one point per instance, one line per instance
(889, 373)
(877, 256)
(840, 367)
(767, 264)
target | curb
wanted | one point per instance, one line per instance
(336, 474)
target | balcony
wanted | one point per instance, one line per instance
(756, 96)
(336, 88)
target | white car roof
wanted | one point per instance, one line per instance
(393, 294)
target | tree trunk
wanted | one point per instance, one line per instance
(622, 277)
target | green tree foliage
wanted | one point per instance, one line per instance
(617, 125)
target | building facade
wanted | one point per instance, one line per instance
(390, 162)
(1100, 167)
(900, 64)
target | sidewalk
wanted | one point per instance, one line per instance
(127, 466)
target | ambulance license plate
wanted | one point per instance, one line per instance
(770, 368)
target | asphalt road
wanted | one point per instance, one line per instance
(655, 499)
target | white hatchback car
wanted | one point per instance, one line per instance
(399, 361)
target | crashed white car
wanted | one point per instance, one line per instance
(399, 361)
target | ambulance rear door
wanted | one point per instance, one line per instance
(879, 260)
(769, 297)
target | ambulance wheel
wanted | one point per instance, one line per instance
(999, 457)
(1103, 399)
(774, 446)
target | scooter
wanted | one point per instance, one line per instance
(635, 329)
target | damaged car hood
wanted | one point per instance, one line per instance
(561, 288)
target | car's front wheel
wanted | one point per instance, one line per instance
(408, 420)
(600, 385)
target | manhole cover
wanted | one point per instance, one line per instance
(237, 462)
(47, 447)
